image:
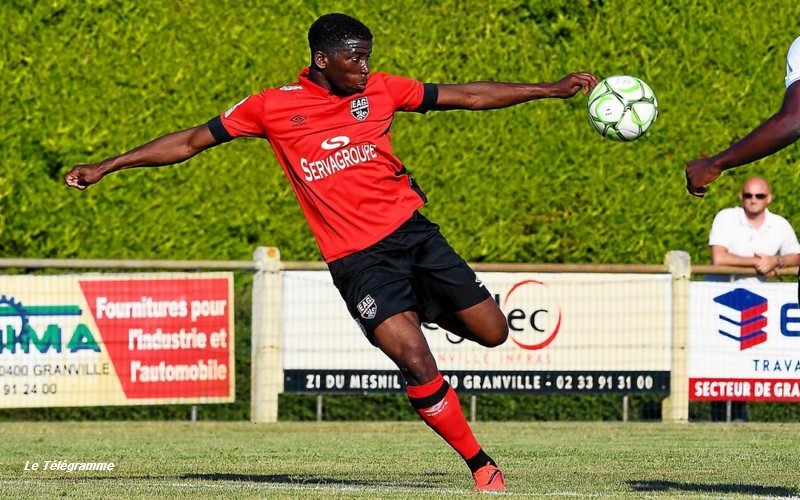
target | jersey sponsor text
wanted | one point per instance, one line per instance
(315, 170)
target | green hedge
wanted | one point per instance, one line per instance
(533, 183)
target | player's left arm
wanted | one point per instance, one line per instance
(780, 130)
(168, 149)
(494, 95)
(777, 132)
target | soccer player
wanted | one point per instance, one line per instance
(777, 132)
(392, 266)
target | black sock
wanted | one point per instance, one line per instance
(479, 460)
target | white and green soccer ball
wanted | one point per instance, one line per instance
(622, 107)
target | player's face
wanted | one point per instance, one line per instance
(347, 68)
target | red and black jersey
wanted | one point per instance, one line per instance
(337, 153)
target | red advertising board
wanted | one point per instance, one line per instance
(116, 339)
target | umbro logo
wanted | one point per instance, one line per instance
(337, 142)
(436, 409)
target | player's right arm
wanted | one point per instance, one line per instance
(243, 119)
(166, 150)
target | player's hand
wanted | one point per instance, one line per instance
(572, 83)
(699, 173)
(83, 176)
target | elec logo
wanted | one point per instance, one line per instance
(18, 329)
(538, 328)
(741, 317)
(533, 318)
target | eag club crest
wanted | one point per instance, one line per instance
(359, 108)
(367, 308)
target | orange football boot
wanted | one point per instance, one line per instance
(489, 477)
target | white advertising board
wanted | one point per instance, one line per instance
(744, 342)
(568, 333)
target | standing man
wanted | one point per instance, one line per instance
(752, 237)
(392, 266)
(777, 132)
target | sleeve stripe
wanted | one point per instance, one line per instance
(218, 130)
(429, 97)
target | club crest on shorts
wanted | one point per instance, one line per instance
(359, 108)
(367, 307)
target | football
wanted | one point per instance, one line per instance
(622, 107)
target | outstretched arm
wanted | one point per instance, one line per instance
(166, 150)
(777, 132)
(493, 95)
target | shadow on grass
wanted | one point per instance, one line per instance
(751, 489)
(307, 480)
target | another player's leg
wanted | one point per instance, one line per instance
(401, 338)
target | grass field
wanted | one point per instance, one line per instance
(399, 460)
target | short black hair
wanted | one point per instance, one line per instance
(330, 31)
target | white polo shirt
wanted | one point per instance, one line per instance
(793, 63)
(731, 230)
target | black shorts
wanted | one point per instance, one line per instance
(414, 268)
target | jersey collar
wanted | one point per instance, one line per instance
(305, 81)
